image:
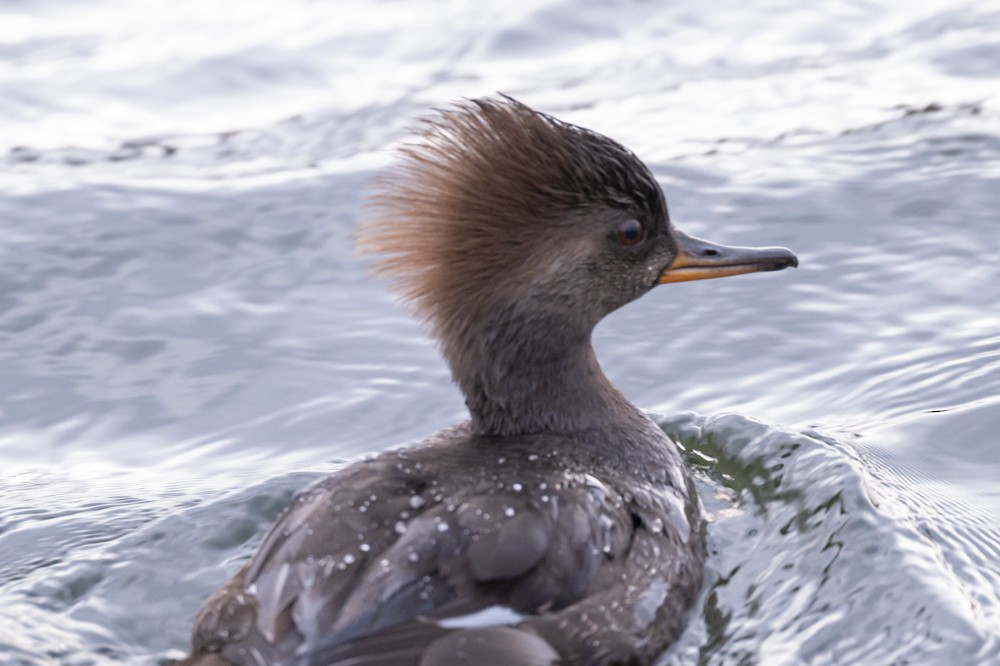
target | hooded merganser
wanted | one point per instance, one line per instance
(558, 525)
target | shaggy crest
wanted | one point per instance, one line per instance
(474, 194)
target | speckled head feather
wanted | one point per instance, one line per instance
(488, 182)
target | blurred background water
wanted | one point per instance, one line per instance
(186, 337)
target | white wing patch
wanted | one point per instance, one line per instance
(494, 616)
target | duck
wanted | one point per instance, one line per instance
(558, 524)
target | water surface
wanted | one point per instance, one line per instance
(186, 337)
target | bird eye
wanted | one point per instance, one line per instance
(630, 232)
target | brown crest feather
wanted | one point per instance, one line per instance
(473, 194)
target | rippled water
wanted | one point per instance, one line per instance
(186, 338)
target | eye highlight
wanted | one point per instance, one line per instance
(630, 232)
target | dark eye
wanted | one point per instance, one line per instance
(630, 232)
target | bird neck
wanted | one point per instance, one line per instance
(532, 376)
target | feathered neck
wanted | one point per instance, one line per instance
(470, 227)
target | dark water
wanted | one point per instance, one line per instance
(186, 337)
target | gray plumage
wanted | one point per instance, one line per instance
(367, 565)
(558, 525)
